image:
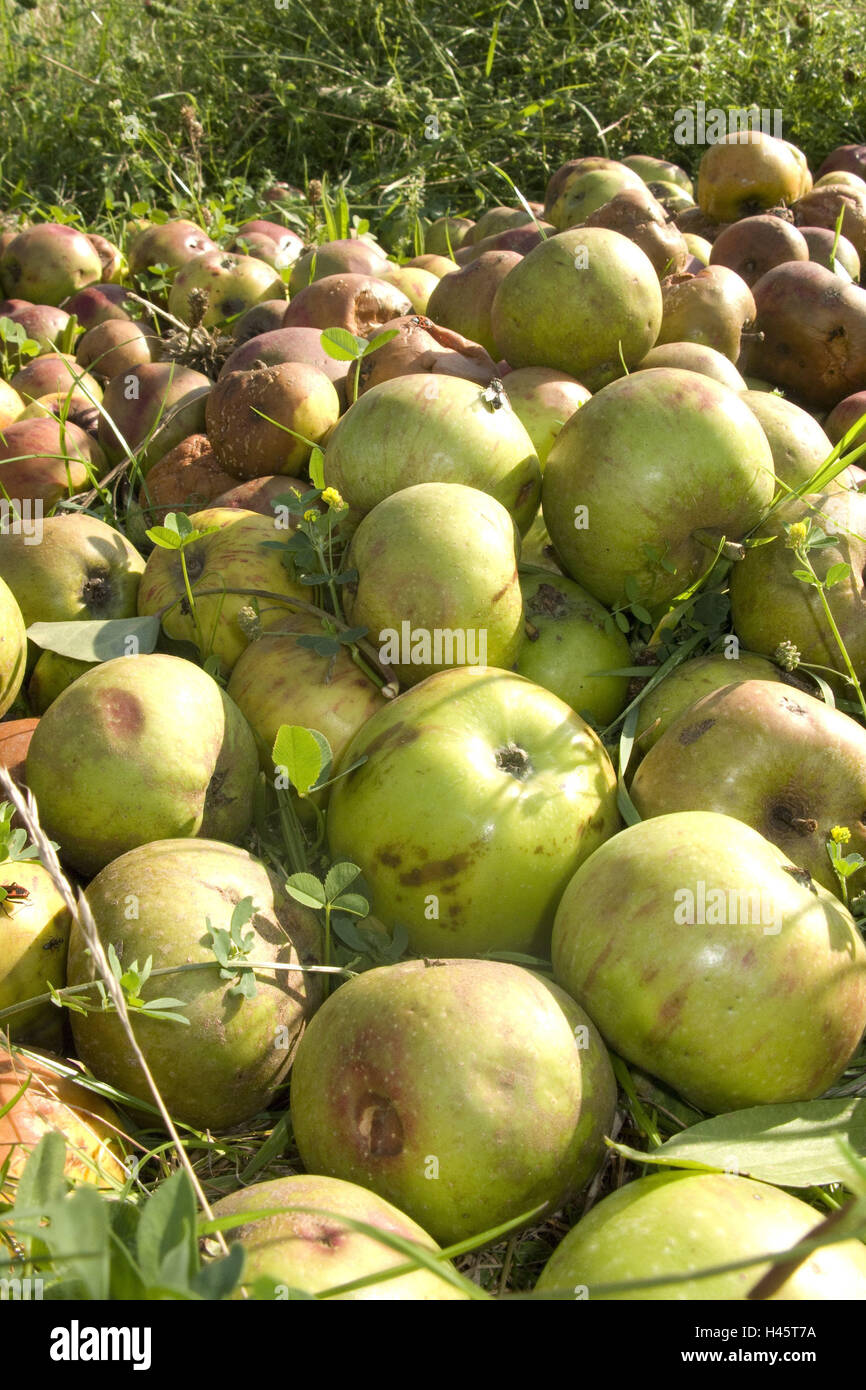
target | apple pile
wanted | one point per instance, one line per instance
(500, 607)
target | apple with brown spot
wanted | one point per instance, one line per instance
(480, 794)
(162, 900)
(317, 1250)
(799, 769)
(137, 749)
(413, 1080)
(709, 960)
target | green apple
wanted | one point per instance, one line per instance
(47, 263)
(231, 283)
(279, 681)
(543, 399)
(571, 643)
(13, 646)
(680, 1223)
(587, 302)
(585, 192)
(236, 555)
(687, 683)
(34, 936)
(437, 581)
(314, 1251)
(466, 1092)
(11, 405)
(480, 794)
(653, 170)
(646, 478)
(141, 748)
(162, 900)
(80, 568)
(695, 357)
(800, 446)
(799, 770)
(427, 428)
(699, 247)
(770, 605)
(170, 243)
(416, 283)
(709, 960)
(537, 550)
(50, 676)
(447, 234)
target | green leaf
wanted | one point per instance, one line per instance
(306, 889)
(621, 621)
(317, 469)
(349, 934)
(220, 942)
(42, 1181)
(341, 344)
(219, 1278)
(79, 1239)
(352, 902)
(791, 1145)
(379, 341)
(325, 646)
(246, 987)
(300, 753)
(164, 538)
(641, 613)
(836, 574)
(806, 577)
(166, 1241)
(627, 808)
(339, 877)
(97, 640)
(242, 914)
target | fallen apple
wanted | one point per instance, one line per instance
(776, 758)
(614, 497)
(437, 581)
(314, 1250)
(680, 1223)
(480, 794)
(414, 1081)
(710, 961)
(166, 901)
(138, 749)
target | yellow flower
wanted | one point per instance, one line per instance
(797, 534)
(840, 834)
(332, 497)
(310, 514)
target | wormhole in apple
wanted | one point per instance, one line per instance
(379, 1126)
(515, 761)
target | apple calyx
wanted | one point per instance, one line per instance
(96, 591)
(515, 761)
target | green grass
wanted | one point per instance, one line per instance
(225, 97)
